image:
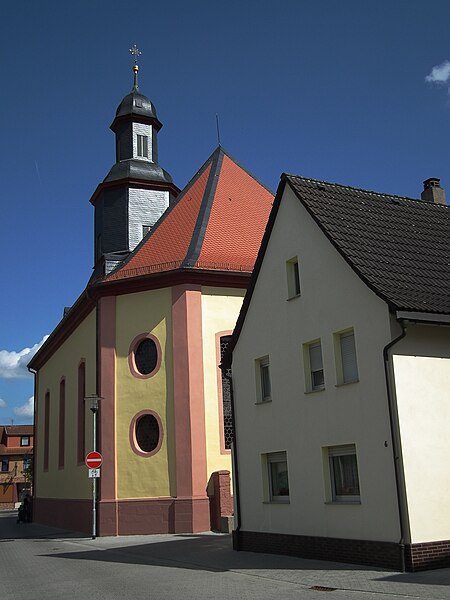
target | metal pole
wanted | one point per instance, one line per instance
(94, 479)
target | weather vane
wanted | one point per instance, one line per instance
(136, 53)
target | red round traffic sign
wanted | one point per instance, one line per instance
(93, 460)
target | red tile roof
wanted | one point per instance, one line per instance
(17, 429)
(217, 223)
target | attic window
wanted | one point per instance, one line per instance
(138, 102)
(146, 229)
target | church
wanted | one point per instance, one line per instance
(145, 339)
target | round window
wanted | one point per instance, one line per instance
(146, 356)
(147, 433)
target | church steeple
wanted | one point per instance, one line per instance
(136, 191)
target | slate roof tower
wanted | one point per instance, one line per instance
(136, 191)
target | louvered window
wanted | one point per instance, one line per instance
(142, 146)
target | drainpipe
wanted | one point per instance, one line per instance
(237, 527)
(395, 437)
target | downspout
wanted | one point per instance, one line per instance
(236, 543)
(33, 479)
(395, 437)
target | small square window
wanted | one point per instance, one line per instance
(263, 382)
(277, 477)
(344, 474)
(293, 277)
(146, 229)
(314, 375)
(25, 440)
(345, 350)
(142, 146)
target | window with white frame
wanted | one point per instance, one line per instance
(344, 473)
(142, 146)
(277, 475)
(293, 277)
(263, 381)
(346, 364)
(314, 376)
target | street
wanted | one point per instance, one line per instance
(39, 562)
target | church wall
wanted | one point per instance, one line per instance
(144, 476)
(110, 215)
(220, 309)
(72, 480)
(144, 208)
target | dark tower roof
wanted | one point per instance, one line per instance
(137, 107)
(136, 103)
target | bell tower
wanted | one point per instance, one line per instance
(136, 191)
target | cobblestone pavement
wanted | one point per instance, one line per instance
(38, 562)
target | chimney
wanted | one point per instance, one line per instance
(432, 191)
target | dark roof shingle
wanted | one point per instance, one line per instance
(399, 246)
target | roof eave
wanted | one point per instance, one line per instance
(423, 317)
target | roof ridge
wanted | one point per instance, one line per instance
(201, 224)
(162, 218)
(356, 189)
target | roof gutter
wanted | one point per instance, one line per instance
(396, 445)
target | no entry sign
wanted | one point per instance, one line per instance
(93, 460)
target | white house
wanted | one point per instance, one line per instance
(341, 379)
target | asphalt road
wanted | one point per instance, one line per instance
(38, 562)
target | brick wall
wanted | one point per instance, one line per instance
(387, 555)
(430, 555)
(380, 554)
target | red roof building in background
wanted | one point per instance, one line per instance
(16, 456)
(147, 334)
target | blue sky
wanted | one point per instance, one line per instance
(339, 91)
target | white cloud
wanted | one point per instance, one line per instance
(13, 365)
(26, 410)
(2, 403)
(439, 73)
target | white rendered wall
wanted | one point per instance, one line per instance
(332, 299)
(423, 396)
(144, 208)
(141, 129)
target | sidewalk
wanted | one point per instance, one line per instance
(197, 555)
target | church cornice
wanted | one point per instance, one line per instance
(136, 118)
(133, 182)
(88, 300)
